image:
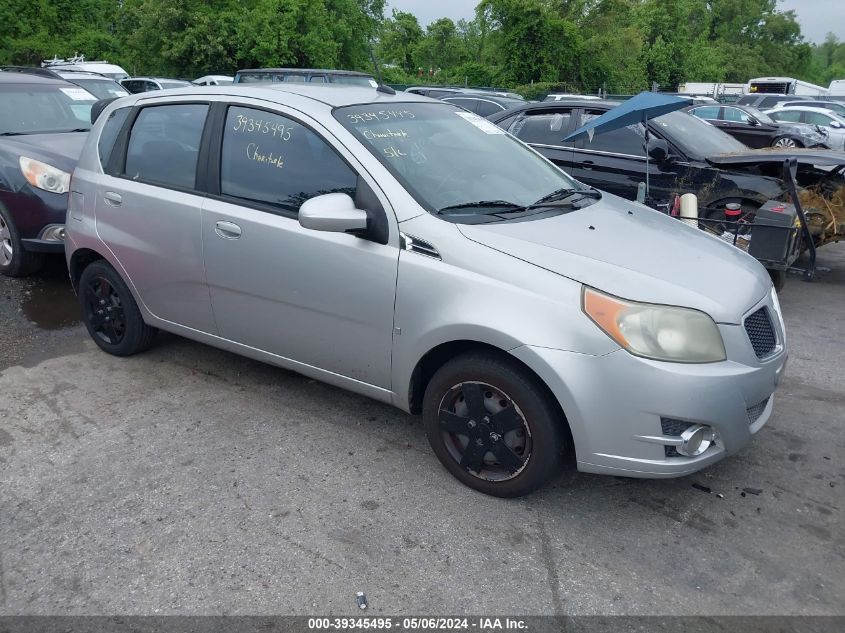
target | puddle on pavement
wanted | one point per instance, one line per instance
(50, 303)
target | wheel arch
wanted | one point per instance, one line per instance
(441, 354)
(80, 259)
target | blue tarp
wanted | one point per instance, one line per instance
(637, 109)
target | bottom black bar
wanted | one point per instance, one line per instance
(486, 624)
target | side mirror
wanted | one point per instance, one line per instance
(332, 212)
(836, 124)
(658, 150)
(753, 121)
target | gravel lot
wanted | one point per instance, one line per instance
(191, 481)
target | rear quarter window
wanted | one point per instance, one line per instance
(112, 127)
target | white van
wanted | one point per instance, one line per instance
(112, 71)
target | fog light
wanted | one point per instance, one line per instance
(695, 440)
(54, 233)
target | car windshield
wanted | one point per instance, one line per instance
(173, 84)
(696, 137)
(452, 161)
(43, 109)
(354, 80)
(101, 88)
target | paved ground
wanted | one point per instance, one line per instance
(190, 481)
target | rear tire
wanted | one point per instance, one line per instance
(492, 425)
(110, 313)
(15, 261)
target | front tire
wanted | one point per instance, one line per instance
(15, 261)
(785, 142)
(110, 313)
(492, 425)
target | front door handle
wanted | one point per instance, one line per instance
(112, 199)
(227, 230)
(587, 164)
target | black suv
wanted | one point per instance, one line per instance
(43, 125)
(687, 155)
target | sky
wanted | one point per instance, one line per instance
(816, 17)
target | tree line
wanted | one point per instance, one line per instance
(620, 46)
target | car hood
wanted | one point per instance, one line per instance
(636, 253)
(823, 157)
(58, 150)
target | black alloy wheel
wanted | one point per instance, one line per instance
(110, 313)
(493, 424)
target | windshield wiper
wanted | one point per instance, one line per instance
(79, 129)
(13, 133)
(495, 204)
(562, 194)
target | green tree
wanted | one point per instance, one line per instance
(400, 36)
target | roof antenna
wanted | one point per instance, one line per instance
(381, 85)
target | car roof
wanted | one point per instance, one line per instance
(155, 79)
(81, 74)
(801, 108)
(563, 104)
(25, 78)
(305, 70)
(332, 95)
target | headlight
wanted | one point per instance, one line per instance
(44, 176)
(680, 335)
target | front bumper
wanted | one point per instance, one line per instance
(615, 403)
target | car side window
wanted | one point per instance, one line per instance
(486, 108)
(817, 118)
(296, 79)
(793, 116)
(164, 145)
(317, 79)
(628, 140)
(545, 129)
(273, 160)
(734, 114)
(708, 113)
(108, 136)
(468, 104)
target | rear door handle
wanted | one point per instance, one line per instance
(113, 199)
(227, 230)
(588, 164)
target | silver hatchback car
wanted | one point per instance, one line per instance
(408, 250)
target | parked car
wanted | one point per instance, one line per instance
(835, 106)
(562, 96)
(829, 121)
(687, 155)
(763, 101)
(148, 84)
(482, 103)
(43, 125)
(430, 261)
(757, 130)
(112, 71)
(214, 80)
(304, 75)
(99, 86)
(438, 92)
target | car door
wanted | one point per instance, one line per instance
(737, 123)
(615, 161)
(318, 298)
(149, 211)
(545, 130)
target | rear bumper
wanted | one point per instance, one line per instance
(615, 403)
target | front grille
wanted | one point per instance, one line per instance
(754, 412)
(760, 332)
(673, 428)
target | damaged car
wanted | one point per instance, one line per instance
(685, 155)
